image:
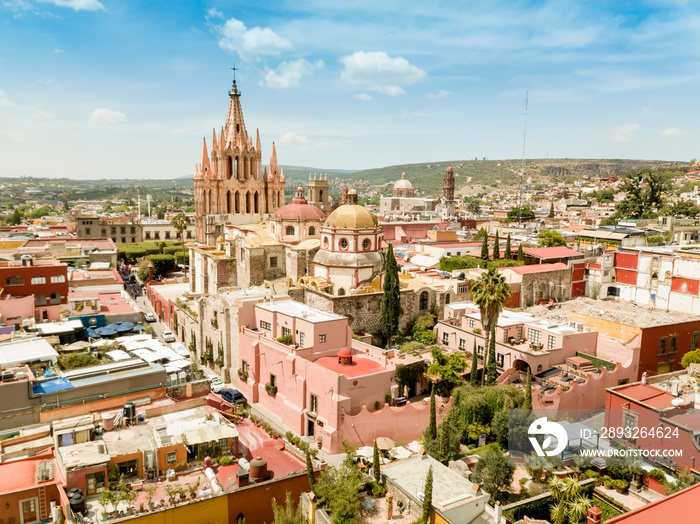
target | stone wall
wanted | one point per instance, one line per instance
(542, 286)
(188, 389)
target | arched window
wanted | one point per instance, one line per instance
(366, 244)
(14, 281)
(58, 279)
(289, 230)
(341, 292)
(236, 205)
(38, 280)
(312, 231)
(447, 298)
(343, 243)
(274, 199)
(423, 301)
(255, 202)
(229, 167)
(228, 202)
(320, 195)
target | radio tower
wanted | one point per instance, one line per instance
(522, 167)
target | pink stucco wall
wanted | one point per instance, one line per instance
(15, 310)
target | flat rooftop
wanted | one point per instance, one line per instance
(91, 453)
(299, 310)
(21, 475)
(360, 366)
(172, 291)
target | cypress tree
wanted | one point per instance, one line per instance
(431, 432)
(391, 303)
(528, 391)
(444, 452)
(507, 255)
(485, 249)
(428, 496)
(551, 210)
(310, 470)
(474, 374)
(496, 251)
(521, 255)
(491, 371)
(375, 464)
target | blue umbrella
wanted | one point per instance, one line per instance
(113, 325)
(106, 332)
(92, 333)
(126, 326)
(138, 327)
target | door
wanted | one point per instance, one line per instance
(95, 482)
(310, 427)
(29, 510)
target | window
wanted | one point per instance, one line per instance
(480, 351)
(167, 234)
(322, 339)
(462, 289)
(273, 380)
(500, 359)
(312, 231)
(662, 345)
(222, 445)
(132, 230)
(447, 298)
(313, 403)
(244, 366)
(629, 420)
(39, 280)
(462, 343)
(14, 281)
(366, 244)
(148, 235)
(58, 279)
(273, 262)
(122, 230)
(301, 340)
(289, 230)
(505, 336)
(550, 341)
(534, 336)
(286, 331)
(133, 240)
(343, 243)
(189, 234)
(674, 344)
(694, 340)
(112, 230)
(265, 325)
(87, 230)
(445, 338)
(423, 301)
(104, 231)
(156, 235)
(520, 332)
(472, 322)
(171, 458)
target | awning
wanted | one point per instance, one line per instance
(52, 386)
(210, 434)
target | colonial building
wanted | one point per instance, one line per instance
(230, 184)
(297, 221)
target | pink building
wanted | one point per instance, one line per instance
(321, 376)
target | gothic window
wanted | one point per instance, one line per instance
(274, 199)
(255, 202)
(228, 202)
(236, 206)
(229, 167)
(289, 230)
(280, 200)
(341, 292)
(423, 301)
(312, 231)
(236, 168)
(447, 299)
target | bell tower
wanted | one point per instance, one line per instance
(318, 192)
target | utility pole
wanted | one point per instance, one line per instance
(522, 167)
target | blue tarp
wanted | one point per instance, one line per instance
(52, 386)
(92, 333)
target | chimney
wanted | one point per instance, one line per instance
(595, 515)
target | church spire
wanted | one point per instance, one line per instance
(274, 170)
(236, 133)
(206, 168)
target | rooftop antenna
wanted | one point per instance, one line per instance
(522, 167)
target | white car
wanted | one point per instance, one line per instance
(217, 385)
(149, 317)
(168, 336)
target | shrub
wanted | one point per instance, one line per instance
(271, 390)
(162, 264)
(224, 460)
(286, 339)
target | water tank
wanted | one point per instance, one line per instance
(130, 413)
(243, 463)
(77, 504)
(75, 492)
(258, 467)
(108, 421)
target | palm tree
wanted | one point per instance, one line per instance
(490, 292)
(570, 505)
(179, 223)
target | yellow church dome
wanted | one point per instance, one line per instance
(352, 216)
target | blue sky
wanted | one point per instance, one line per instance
(107, 88)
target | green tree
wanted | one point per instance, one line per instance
(550, 238)
(431, 430)
(338, 489)
(493, 472)
(481, 234)
(491, 368)
(142, 271)
(310, 470)
(485, 249)
(691, 357)
(645, 192)
(521, 255)
(551, 210)
(161, 264)
(160, 213)
(289, 513)
(528, 391)
(16, 217)
(570, 505)
(507, 255)
(180, 222)
(376, 468)
(490, 292)
(514, 215)
(496, 247)
(428, 496)
(474, 372)
(391, 301)
(448, 367)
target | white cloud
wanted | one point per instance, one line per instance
(378, 71)
(670, 131)
(294, 139)
(251, 43)
(43, 115)
(625, 133)
(213, 12)
(364, 97)
(58, 50)
(77, 5)
(440, 94)
(106, 116)
(303, 143)
(17, 6)
(289, 74)
(4, 102)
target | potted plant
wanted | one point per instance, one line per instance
(271, 390)
(171, 491)
(607, 482)
(192, 488)
(378, 489)
(107, 497)
(621, 486)
(150, 492)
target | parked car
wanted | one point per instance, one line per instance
(168, 336)
(216, 384)
(181, 350)
(233, 396)
(149, 317)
